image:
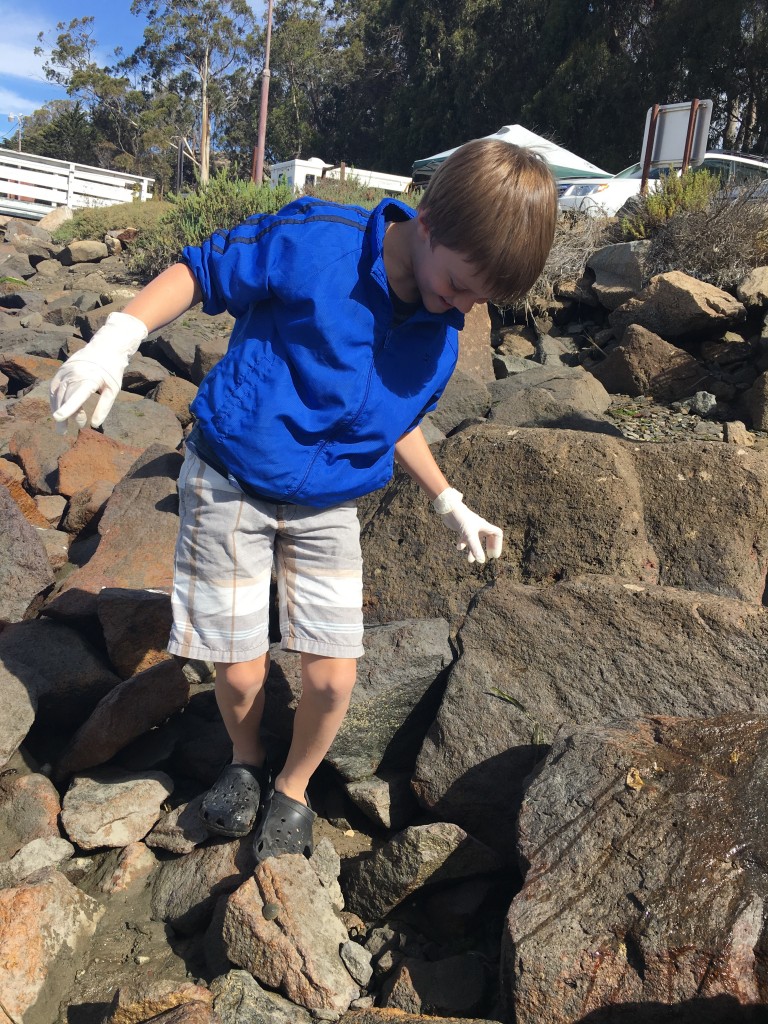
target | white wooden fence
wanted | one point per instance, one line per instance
(31, 186)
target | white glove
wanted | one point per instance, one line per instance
(469, 525)
(96, 368)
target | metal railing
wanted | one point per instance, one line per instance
(31, 186)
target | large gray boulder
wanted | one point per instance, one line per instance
(551, 396)
(645, 843)
(392, 704)
(538, 659)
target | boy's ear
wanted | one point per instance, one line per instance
(422, 223)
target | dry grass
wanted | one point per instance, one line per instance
(720, 245)
(576, 238)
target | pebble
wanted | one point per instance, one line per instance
(270, 911)
(642, 419)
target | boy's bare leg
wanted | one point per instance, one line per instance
(240, 696)
(327, 686)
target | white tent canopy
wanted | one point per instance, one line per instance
(563, 163)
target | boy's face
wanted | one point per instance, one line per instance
(444, 278)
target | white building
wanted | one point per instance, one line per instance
(298, 173)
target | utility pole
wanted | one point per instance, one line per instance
(257, 170)
(20, 118)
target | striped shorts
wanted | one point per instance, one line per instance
(223, 567)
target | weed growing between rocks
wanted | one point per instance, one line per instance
(720, 244)
(577, 236)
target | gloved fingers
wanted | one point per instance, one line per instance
(68, 401)
(475, 546)
(104, 404)
(494, 541)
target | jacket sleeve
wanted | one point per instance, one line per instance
(232, 267)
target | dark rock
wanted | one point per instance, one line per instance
(536, 659)
(25, 571)
(646, 846)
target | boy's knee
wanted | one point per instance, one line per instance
(243, 677)
(330, 680)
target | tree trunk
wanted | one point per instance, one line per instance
(205, 125)
(731, 123)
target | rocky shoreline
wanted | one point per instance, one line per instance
(547, 803)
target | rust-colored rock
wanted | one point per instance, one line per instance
(149, 999)
(137, 537)
(94, 458)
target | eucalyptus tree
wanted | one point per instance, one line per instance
(197, 48)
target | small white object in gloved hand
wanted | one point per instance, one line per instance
(472, 528)
(97, 368)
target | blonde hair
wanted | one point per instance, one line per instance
(496, 205)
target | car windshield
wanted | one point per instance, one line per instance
(636, 171)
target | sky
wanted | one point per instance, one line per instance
(23, 86)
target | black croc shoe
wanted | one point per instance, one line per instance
(230, 806)
(285, 827)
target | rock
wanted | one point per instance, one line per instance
(144, 999)
(557, 396)
(56, 218)
(618, 271)
(385, 798)
(56, 546)
(86, 505)
(126, 867)
(38, 451)
(113, 808)
(143, 423)
(44, 925)
(238, 997)
(418, 856)
(193, 1012)
(129, 710)
(298, 951)
(144, 504)
(475, 345)
(69, 677)
(644, 364)
(136, 625)
(753, 289)
(455, 984)
(207, 354)
(25, 571)
(50, 851)
(177, 394)
(178, 343)
(19, 228)
(623, 829)
(535, 659)
(19, 689)
(85, 251)
(142, 374)
(392, 702)
(675, 305)
(94, 458)
(12, 477)
(29, 810)
(185, 890)
(23, 370)
(16, 266)
(737, 433)
(756, 403)
(51, 507)
(180, 830)
(506, 365)
(357, 960)
(464, 398)
(379, 1015)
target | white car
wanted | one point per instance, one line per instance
(604, 197)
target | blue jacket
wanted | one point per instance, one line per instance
(317, 384)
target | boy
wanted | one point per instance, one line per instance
(345, 336)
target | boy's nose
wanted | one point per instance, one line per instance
(463, 302)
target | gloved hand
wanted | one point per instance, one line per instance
(96, 368)
(471, 527)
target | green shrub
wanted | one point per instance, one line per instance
(96, 221)
(221, 204)
(350, 191)
(691, 192)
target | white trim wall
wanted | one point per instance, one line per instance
(31, 186)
